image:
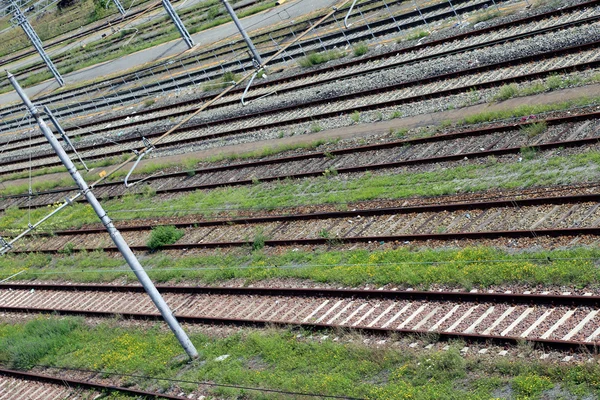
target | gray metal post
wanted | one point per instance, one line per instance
(454, 9)
(236, 21)
(178, 24)
(421, 14)
(115, 235)
(63, 134)
(119, 7)
(21, 20)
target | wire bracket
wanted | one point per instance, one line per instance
(148, 147)
(346, 24)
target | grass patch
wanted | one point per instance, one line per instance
(535, 129)
(416, 35)
(466, 268)
(162, 235)
(320, 58)
(485, 16)
(287, 193)
(287, 360)
(360, 49)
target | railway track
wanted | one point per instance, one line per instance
(499, 34)
(558, 322)
(563, 132)
(566, 60)
(356, 34)
(560, 216)
(27, 385)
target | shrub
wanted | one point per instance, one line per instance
(163, 235)
(360, 49)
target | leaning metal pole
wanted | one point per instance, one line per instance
(178, 24)
(119, 7)
(114, 233)
(257, 59)
(21, 20)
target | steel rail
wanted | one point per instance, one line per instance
(30, 376)
(233, 63)
(115, 40)
(422, 237)
(458, 297)
(129, 97)
(326, 114)
(278, 81)
(186, 187)
(535, 201)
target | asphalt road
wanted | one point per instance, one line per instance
(287, 11)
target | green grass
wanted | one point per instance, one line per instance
(320, 58)
(415, 267)
(162, 235)
(416, 35)
(351, 188)
(535, 129)
(360, 49)
(287, 360)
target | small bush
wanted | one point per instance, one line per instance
(355, 117)
(163, 235)
(360, 49)
(507, 92)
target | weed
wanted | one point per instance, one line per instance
(164, 235)
(259, 240)
(314, 128)
(329, 155)
(416, 35)
(528, 153)
(320, 58)
(281, 134)
(379, 116)
(68, 249)
(355, 117)
(331, 171)
(360, 49)
(485, 16)
(149, 102)
(506, 92)
(324, 233)
(535, 129)
(396, 114)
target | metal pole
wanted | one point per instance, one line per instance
(257, 59)
(120, 7)
(178, 24)
(453, 9)
(421, 14)
(20, 20)
(106, 221)
(63, 134)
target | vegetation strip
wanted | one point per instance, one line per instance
(289, 360)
